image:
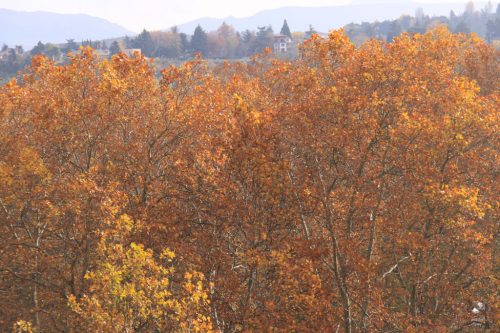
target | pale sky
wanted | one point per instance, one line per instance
(160, 14)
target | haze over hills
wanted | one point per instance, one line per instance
(27, 28)
(327, 18)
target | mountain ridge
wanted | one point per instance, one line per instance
(325, 18)
(26, 28)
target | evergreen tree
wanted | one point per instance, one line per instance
(462, 28)
(70, 46)
(144, 42)
(184, 42)
(247, 43)
(38, 49)
(263, 38)
(128, 42)
(395, 31)
(453, 17)
(114, 48)
(199, 41)
(285, 30)
(247, 36)
(310, 32)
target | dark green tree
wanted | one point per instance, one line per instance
(395, 31)
(462, 27)
(310, 32)
(285, 29)
(114, 48)
(263, 38)
(199, 41)
(128, 42)
(184, 42)
(71, 45)
(144, 42)
(38, 49)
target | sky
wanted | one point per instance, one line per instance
(160, 14)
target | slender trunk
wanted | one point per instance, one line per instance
(35, 289)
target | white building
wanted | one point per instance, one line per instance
(282, 43)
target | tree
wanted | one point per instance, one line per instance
(144, 42)
(419, 16)
(38, 49)
(264, 38)
(469, 8)
(70, 46)
(131, 290)
(353, 189)
(395, 31)
(285, 30)
(199, 41)
(462, 27)
(128, 42)
(224, 43)
(309, 33)
(185, 45)
(114, 48)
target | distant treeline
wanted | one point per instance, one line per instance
(484, 22)
(227, 43)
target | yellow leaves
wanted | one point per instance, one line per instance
(462, 205)
(246, 172)
(32, 164)
(368, 77)
(23, 326)
(125, 223)
(167, 254)
(132, 287)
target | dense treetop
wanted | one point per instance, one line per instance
(353, 189)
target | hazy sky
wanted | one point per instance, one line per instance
(159, 14)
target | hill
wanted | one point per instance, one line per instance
(27, 28)
(326, 18)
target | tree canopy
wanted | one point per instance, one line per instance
(354, 189)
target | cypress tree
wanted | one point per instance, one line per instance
(285, 30)
(199, 41)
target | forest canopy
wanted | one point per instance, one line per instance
(353, 189)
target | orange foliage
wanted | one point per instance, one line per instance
(350, 190)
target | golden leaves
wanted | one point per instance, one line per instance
(294, 186)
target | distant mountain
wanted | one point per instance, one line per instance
(27, 28)
(326, 18)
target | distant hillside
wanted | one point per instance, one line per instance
(27, 28)
(327, 18)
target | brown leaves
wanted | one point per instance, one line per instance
(351, 189)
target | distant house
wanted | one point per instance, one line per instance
(282, 43)
(7, 52)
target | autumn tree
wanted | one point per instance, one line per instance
(353, 189)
